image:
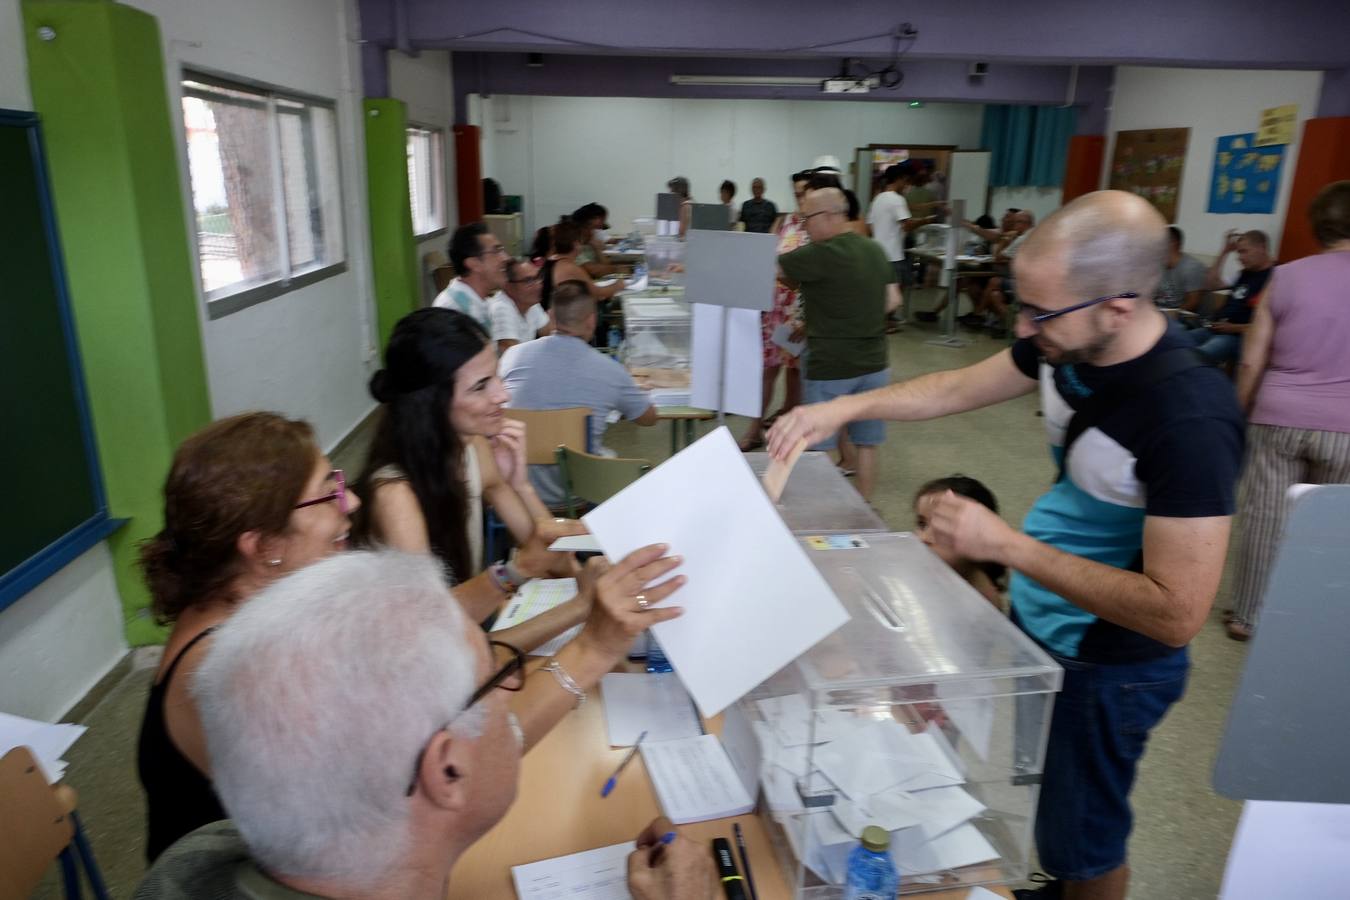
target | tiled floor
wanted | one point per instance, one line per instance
(1182, 830)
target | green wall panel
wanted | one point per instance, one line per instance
(99, 86)
(393, 248)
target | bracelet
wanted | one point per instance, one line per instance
(566, 682)
(507, 577)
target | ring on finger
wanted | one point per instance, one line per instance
(642, 602)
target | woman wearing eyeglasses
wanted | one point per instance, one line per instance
(248, 499)
(443, 448)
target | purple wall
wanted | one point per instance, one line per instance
(617, 76)
(1294, 34)
(1335, 100)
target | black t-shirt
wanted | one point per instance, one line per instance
(1172, 448)
(1249, 285)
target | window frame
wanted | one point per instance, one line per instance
(218, 305)
(444, 227)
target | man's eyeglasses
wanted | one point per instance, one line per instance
(533, 279)
(340, 495)
(510, 676)
(1037, 315)
(820, 212)
(498, 250)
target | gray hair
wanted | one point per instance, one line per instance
(832, 200)
(1110, 242)
(316, 699)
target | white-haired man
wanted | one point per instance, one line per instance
(1119, 561)
(360, 739)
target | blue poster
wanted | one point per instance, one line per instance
(1246, 177)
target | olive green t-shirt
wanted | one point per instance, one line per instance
(843, 287)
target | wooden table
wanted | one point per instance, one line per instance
(558, 810)
(687, 415)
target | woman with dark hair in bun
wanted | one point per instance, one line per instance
(444, 447)
(248, 499)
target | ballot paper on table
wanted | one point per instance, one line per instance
(539, 596)
(47, 742)
(637, 702)
(600, 874)
(576, 543)
(695, 780)
(752, 600)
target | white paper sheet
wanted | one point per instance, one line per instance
(782, 337)
(744, 364)
(884, 755)
(576, 543)
(694, 780)
(752, 600)
(975, 719)
(655, 703)
(964, 846)
(47, 742)
(539, 596)
(1285, 849)
(600, 874)
(979, 893)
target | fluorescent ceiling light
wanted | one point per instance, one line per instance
(746, 80)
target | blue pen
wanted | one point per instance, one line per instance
(614, 779)
(668, 837)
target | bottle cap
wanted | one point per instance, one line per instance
(876, 838)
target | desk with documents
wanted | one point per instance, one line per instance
(558, 811)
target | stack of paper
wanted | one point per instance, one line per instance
(656, 704)
(47, 742)
(600, 874)
(537, 597)
(695, 780)
(883, 774)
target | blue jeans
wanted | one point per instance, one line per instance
(1217, 348)
(1101, 723)
(863, 433)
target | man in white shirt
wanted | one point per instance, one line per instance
(889, 210)
(479, 260)
(515, 312)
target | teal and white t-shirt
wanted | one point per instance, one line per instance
(462, 298)
(1173, 450)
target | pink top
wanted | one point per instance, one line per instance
(1307, 380)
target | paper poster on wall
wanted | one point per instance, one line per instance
(1246, 178)
(1277, 125)
(1149, 163)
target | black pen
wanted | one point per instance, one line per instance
(745, 860)
(732, 882)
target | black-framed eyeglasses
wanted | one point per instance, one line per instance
(820, 212)
(498, 250)
(340, 495)
(510, 676)
(1037, 315)
(533, 279)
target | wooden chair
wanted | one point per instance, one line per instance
(545, 431)
(39, 824)
(548, 429)
(594, 479)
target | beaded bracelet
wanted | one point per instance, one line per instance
(566, 682)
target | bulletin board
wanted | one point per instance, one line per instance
(1149, 163)
(1246, 177)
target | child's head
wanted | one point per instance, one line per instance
(965, 487)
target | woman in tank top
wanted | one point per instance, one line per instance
(442, 448)
(248, 499)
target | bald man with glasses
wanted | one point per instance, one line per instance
(1118, 563)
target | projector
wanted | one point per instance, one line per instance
(849, 85)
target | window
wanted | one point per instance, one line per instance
(426, 179)
(265, 190)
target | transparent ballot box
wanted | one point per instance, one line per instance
(818, 499)
(664, 254)
(658, 331)
(925, 714)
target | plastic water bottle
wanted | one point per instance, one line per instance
(614, 338)
(657, 662)
(871, 873)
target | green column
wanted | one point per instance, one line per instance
(392, 246)
(98, 83)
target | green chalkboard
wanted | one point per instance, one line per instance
(51, 504)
